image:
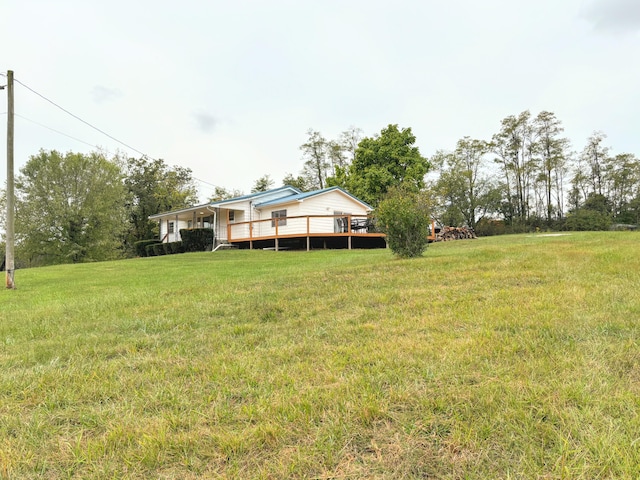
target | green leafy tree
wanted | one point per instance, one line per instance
(404, 215)
(300, 182)
(315, 152)
(262, 184)
(69, 208)
(387, 160)
(465, 194)
(622, 184)
(349, 141)
(153, 187)
(579, 184)
(221, 193)
(552, 151)
(514, 147)
(596, 156)
(595, 214)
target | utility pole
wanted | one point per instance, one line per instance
(10, 237)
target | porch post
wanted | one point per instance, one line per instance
(277, 221)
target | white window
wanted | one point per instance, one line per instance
(281, 215)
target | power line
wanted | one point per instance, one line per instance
(56, 131)
(94, 146)
(88, 124)
(206, 183)
(80, 119)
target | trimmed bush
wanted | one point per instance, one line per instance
(158, 249)
(150, 250)
(197, 239)
(176, 247)
(141, 246)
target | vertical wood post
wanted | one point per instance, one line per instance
(10, 236)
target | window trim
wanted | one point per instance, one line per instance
(279, 214)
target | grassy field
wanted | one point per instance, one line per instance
(504, 357)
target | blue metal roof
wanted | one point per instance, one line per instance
(302, 195)
(256, 195)
(296, 195)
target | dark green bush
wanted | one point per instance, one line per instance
(150, 250)
(176, 247)
(141, 246)
(404, 216)
(197, 239)
(487, 227)
(158, 249)
(587, 220)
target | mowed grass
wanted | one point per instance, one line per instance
(505, 357)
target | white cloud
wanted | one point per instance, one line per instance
(620, 16)
(205, 122)
(103, 94)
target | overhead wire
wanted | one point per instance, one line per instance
(91, 126)
(92, 145)
(80, 119)
(56, 131)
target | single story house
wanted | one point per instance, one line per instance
(283, 217)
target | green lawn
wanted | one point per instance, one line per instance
(504, 357)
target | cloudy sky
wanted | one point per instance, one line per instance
(229, 88)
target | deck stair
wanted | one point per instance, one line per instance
(225, 246)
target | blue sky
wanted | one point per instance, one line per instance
(229, 89)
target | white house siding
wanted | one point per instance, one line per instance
(164, 229)
(241, 212)
(320, 205)
(318, 209)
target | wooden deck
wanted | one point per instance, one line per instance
(307, 232)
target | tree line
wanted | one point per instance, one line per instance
(78, 207)
(86, 207)
(526, 176)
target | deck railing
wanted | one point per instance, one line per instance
(302, 226)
